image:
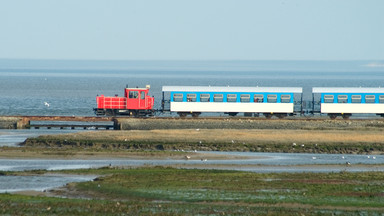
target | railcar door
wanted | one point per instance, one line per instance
(142, 101)
(133, 100)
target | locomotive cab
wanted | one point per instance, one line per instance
(138, 98)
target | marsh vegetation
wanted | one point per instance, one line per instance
(169, 191)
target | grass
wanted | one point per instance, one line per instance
(169, 191)
(324, 141)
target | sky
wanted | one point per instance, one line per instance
(192, 29)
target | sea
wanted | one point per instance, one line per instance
(70, 87)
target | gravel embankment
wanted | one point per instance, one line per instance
(246, 123)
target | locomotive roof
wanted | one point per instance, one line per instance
(346, 90)
(232, 89)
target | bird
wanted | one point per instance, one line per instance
(342, 157)
(348, 163)
(373, 157)
(314, 158)
(197, 129)
(187, 157)
(46, 104)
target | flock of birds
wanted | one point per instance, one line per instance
(349, 163)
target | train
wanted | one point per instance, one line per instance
(252, 101)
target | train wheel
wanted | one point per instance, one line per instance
(268, 115)
(332, 116)
(280, 116)
(346, 116)
(232, 113)
(182, 115)
(195, 115)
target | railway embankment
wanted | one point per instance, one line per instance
(247, 123)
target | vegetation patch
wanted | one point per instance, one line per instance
(294, 141)
(169, 191)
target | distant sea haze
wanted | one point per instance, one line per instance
(71, 87)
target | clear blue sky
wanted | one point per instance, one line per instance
(192, 30)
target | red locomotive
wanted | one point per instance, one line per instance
(136, 102)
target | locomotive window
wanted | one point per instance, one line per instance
(178, 97)
(258, 98)
(271, 98)
(342, 99)
(204, 97)
(328, 98)
(142, 95)
(285, 98)
(218, 98)
(356, 98)
(245, 98)
(191, 97)
(231, 98)
(369, 98)
(133, 94)
(381, 99)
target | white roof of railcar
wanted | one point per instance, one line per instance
(231, 89)
(346, 90)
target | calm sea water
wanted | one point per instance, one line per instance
(70, 87)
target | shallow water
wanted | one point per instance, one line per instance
(14, 137)
(38, 183)
(270, 161)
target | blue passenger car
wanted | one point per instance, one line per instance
(195, 100)
(347, 101)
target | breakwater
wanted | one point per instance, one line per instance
(25, 122)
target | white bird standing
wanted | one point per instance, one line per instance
(46, 104)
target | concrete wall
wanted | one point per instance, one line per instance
(9, 122)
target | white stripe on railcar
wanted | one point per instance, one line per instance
(231, 107)
(352, 108)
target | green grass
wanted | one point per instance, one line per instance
(169, 191)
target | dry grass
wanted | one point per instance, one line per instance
(224, 136)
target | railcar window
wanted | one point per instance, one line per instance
(204, 97)
(381, 99)
(133, 94)
(271, 98)
(258, 98)
(142, 95)
(178, 97)
(356, 99)
(342, 99)
(369, 98)
(218, 98)
(191, 97)
(285, 98)
(245, 98)
(231, 98)
(328, 98)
